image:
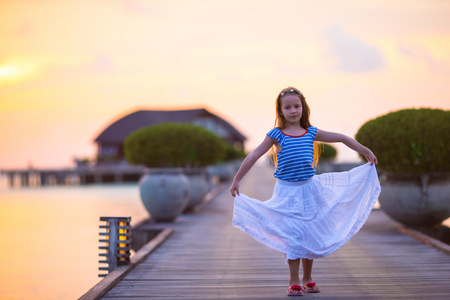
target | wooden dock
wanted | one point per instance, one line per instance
(74, 176)
(207, 258)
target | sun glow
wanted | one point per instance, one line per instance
(12, 72)
(8, 71)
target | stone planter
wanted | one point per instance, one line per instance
(199, 186)
(420, 200)
(164, 193)
(236, 163)
(223, 171)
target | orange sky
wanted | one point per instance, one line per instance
(68, 68)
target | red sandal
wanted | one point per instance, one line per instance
(293, 288)
(309, 288)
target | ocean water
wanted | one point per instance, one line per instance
(49, 237)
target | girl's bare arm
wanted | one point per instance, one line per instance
(248, 163)
(332, 137)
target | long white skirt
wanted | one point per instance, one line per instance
(313, 218)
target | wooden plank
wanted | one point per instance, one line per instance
(120, 272)
(206, 258)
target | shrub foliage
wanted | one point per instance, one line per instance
(234, 153)
(169, 145)
(410, 140)
(327, 152)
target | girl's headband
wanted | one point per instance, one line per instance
(290, 91)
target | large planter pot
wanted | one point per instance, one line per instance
(199, 187)
(164, 193)
(236, 163)
(223, 172)
(420, 200)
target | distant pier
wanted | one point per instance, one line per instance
(74, 176)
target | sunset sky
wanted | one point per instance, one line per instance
(69, 68)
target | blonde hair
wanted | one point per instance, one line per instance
(280, 122)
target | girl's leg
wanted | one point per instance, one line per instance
(294, 267)
(307, 270)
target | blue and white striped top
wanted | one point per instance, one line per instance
(294, 161)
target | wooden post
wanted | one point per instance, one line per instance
(43, 178)
(10, 179)
(118, 177)
(118, 242)
(98, 178)
(82, 175)
(24, 180)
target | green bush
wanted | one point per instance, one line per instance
(234, 153)
(327, 152)
(169, 145)
(409, 141)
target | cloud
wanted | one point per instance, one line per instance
(352, 53)
(420, 55)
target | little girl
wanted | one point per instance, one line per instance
(309, 216)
